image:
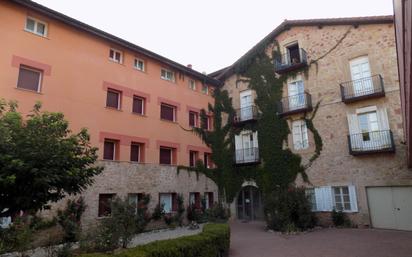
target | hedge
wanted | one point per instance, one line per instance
(212, 242)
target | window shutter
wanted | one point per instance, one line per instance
(28, 79)
(353, 124)
(327, 194)
(353, 199)
(167, 112)
(323, 197)
(165, 156)
(138, 105)
(255, 139)
(134, 152)
(108, 150)
(112, 99)
(383, 119)
(296, 134)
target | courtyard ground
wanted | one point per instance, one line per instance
(251, 240)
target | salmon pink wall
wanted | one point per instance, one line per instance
(78, 72)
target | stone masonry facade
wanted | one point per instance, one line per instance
(335, 166)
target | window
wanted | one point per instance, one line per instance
(194, 200)
(138, 105)
(139, 64)
(300, 135)
(193, 156)
(293, 54)
(105, 208)
(36, 26)
(169, 202)
(116, 55)
(134, 200)
(342, 198)
(135, 149)
(167, 112)
(193, 119)
(109, 150)
(310, 194)
(207, 160)
(192, 84)
(205, 89)
(167, 75)
(113, 99)
(209, 199)
(165, 155)
(205, 122)
(29, 79)
(368, 122)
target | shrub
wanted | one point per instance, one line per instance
(213, 241)
(340, 219)
(288, 209)
(158, 212)
(178, 218)
(218, 213)
(69, 219)
(15, 238)
(38, 223)
(193, 213)
(142, 215)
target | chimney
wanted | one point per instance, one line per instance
(189, 66)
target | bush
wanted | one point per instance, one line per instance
(69, 219)
(158, 212)
(178, 218)
(15, 238)
(38, 223)
(218, 213)
(213, 241)
(288, 209)
(142, 215)
(340, 219)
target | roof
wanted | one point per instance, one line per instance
(287, 24)
(113, 39)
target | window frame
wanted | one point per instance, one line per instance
(119, 97)
(28, 68)
(114, 142)
(174, 112)
(143, 105)
(170, 196)
(192, 84)
(36, 22)
(99, 208)
(171, 155)
(205, 92)
(139, 151)
(193, 157)
(311, 195)
(303, 135)
(341, 198)
(113, 59)
(196, 119)
(166, 71)
(136, 61)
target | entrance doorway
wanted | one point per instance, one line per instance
(249, 204)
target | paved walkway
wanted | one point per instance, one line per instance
(250, 240)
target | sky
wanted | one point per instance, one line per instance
(209, 34)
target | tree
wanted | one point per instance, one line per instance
(41, 161)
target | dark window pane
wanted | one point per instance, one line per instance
(108, 150)
(167, 112)
(211, 200)
(192, 158)
(174, 202)
(205, 122)
(134, 152)
(105, 204)
(138, 105)
(112, 99)
(29, 79)
(206, 159)
(192, 119)
(165, 156)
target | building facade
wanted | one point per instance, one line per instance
(349, 67)
(133, 102)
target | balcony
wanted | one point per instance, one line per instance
(290, 61)
(295, 104)
(247, 156)
(371, 142)
(360, 89)
(246, 114)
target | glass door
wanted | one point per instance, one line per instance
(361, 76)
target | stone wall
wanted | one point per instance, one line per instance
(336, 166)
(122, 178)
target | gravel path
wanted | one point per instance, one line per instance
(163, 234)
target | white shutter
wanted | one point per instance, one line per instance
(353, 124)
(255, 139)
(383, 119)
(319, 199)
(296, 135)
(353, 199)
(238, 142)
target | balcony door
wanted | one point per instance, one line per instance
(246, 147)
(246, 103)
(296, 95)
(361, 76)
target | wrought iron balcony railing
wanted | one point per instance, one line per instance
(288, 62)
(371, 142)
(247, 155)
(244, 114)
(295, 104)
(364, 88)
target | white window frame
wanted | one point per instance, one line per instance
(132, 202)
(169, 196)
(205, 89)
(34, 70)
(119, 98)
(302, 141)
(113, 59)
(36, 22)
(165, 76)
(136, 66)
(311, 194)
(114, 148)
(143, 104)
(192, 84)
(341, 198)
